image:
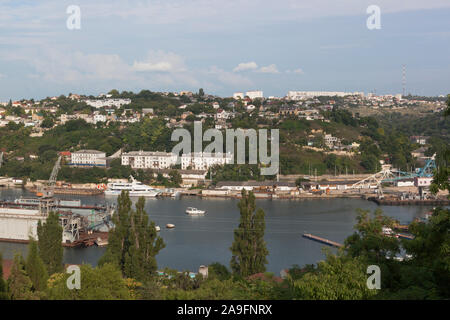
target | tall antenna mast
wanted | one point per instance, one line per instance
(404, 80)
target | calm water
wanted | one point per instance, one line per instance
(204, 240)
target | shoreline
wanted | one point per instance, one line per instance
(226, 194)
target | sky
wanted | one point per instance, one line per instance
(223, 46)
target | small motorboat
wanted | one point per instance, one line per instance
(101, 242)
(195, 212)
(157, 228)
(170, 226)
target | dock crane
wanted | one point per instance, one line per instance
(48, 191)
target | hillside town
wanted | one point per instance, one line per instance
(195, 170)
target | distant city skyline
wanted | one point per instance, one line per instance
(223, 47)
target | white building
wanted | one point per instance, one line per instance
(330, 141)
(99, 118)
(254, 94)
(298, 95)
(149, 160)
(423, 181)
(108, 103)
(222, 114)
(202, 160)
(90, 158)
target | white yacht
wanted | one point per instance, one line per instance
(134, 188)
(195, 212)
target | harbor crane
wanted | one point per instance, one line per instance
(48, 191)
(387, 175)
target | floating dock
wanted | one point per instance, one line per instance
(322, 240)
(405, 236)
(410, 202)
(72, 191)
(89, 239)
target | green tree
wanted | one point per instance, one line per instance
(100, 283)
(19, 284)
(47, 123)
(175, 177)
(337, 278)
(50, 243)
(369, 241)
(219, 271)
(249, 250)
(134, 242)
(3, 287)
(35, 267)
(442, 175)
(430, 251)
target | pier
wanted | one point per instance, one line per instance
(322, 240)
(410, 202)
(405, 236)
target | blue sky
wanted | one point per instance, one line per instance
(223, 46)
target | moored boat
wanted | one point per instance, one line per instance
(134, 188)
(195, 212)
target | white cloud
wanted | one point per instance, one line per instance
(269, 69)
(246, 66)
(160, 61)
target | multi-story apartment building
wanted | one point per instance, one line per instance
(203, 160)
(254, 94)
(297, 95)
(108, 103)
(149, 159)
(90, 158)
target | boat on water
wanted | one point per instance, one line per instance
(170, 226)
(134, 188)
(101, 242)
(158, 228)
(195, 212)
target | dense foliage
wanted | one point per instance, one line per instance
(249, 250)
(133, 243)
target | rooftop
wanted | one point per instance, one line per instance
(89, 151)
(148, 153)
